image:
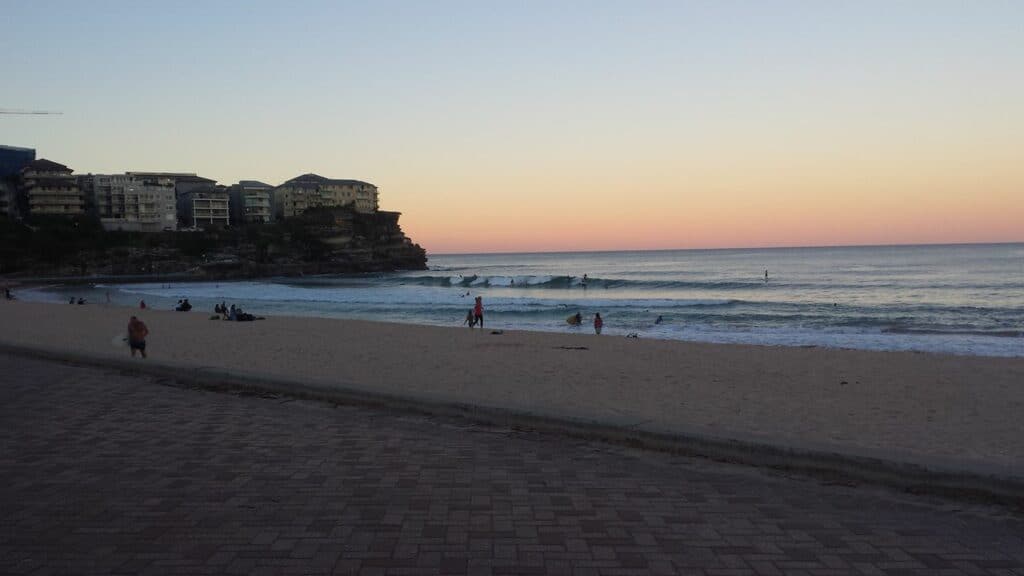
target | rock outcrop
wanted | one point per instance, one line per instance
(321, 241)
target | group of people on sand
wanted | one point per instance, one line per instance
(232, 313)
(74, 300)
(137, 329)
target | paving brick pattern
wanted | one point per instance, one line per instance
(107, 473)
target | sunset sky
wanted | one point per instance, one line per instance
(541, 126)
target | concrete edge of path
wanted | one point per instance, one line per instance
(975, 483)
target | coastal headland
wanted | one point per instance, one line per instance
(328, 240)
(942, 412)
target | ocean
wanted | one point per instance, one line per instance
(959, 299)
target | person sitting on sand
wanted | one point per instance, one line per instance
(470, 319)
(598, 323)
(142, 304)
(186, 305)
(81, 301)
(233, 313)
(137, 333)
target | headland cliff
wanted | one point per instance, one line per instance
(321, 241)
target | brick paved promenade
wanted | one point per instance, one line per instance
(105, 473)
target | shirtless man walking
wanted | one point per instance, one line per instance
(137, 333)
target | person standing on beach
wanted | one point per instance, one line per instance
(478, 311)
(598, 323)
(137, 333)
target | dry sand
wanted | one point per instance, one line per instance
(905, 406)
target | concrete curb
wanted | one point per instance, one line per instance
(841, 466)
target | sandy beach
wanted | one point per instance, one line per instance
(903, 406)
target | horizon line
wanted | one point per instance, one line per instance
(793, 247)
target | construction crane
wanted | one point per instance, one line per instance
(30, 112)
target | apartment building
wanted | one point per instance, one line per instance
(204, 207)
(200, 202)
(311, 190)
(134, 203)
(250, 202)
(49, 189)
(8, 197)
(13, 159)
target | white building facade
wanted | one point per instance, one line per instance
(134, 203)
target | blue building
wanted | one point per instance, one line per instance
(13, 159)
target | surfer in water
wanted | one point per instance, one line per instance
(584, 283)
(766, 275)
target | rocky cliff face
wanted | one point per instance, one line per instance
(322, 241)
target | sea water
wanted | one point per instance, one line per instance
(960, 299)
